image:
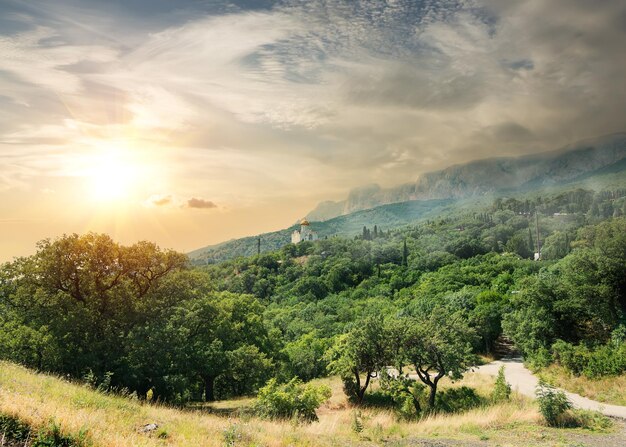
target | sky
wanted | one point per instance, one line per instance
(191, 122)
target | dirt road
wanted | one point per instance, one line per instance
(522, 380)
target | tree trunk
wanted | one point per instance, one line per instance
(431, 397)
(362, 390)
(416, 404)
(209, 388)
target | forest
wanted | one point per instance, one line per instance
(430, 297)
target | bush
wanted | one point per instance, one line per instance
(12, 429)
(501, 389)
(541, 358)
(456, 400)
(15, 432)
(605, 360)
(357, 422)
(52, 437)
(407, 396)
(590, 420)
(553, 403)
(291, 400)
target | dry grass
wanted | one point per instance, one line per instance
(112, 421)
(611, 390)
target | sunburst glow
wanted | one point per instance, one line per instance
(113, 176)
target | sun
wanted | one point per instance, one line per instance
(113, 175)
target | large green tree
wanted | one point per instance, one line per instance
(438, 345)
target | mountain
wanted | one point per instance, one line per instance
(493, 175)
(385, 217)
(595, 165)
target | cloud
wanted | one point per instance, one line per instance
(308, 98)
(159, 200)
(200, 203)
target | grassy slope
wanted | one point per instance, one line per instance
(110, 421)
(611, 390)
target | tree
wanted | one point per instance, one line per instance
(486, 317)
(197, 325)
(405, 254)
(518, 244)
(439, 345)
(305, 357)
(89, 292)
(361, 352)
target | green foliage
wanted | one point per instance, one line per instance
(589, 420)
(408, 395)
(52, 436)
(502, 389)
(232, 435)
(12, 430)
(291, 400)
(363, 351)
(438, 345)
(305, 356)
(357, 422)
(457, 400)
(604, 360)
(579, 300)
(140, 319)
(553, 403)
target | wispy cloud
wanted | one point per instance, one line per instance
(159, 200)
(320, 94)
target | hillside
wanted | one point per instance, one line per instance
(397, 215)
(493, 175)
(82, 416)
(385, 216)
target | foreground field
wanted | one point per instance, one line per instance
(38, 400)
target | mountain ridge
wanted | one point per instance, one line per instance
(486, 175)
(567, 168)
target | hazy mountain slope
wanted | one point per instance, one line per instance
(385, 216)
(396, 215)
(599, 164)
(489, 175)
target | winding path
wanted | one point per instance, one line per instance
(524, 382)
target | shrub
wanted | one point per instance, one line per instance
(357, 422)
(553, 403)
(605, 360)
(590, 420)
(13, 429)
(52, 437)
(541, 358)
(456, 400)
(232, 435)
(407, 396)
(289, 400)
(501, 389)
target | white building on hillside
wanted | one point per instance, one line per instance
(304, 233)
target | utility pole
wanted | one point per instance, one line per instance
(538, 243)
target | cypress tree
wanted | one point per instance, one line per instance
(405, 255)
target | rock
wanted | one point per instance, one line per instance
(148, 428)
